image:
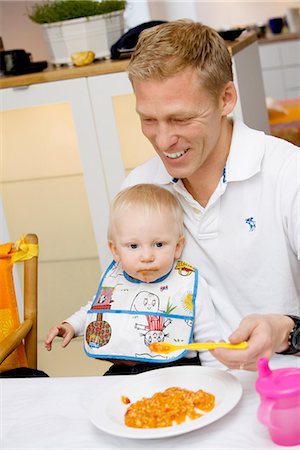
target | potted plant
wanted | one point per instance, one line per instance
(72, 26)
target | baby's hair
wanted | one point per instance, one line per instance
(147, 197)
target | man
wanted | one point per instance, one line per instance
(238, 187)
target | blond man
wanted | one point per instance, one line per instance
(238, 187)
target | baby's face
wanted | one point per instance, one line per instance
(147, 246)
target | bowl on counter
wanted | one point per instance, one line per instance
(231, 35)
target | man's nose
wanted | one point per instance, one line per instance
(165, 137)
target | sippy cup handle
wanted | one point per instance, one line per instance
(264, 411)
(266, 404)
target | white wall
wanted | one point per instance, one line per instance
(18, 31)
(220, 14)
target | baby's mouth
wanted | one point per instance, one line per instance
(147, 271)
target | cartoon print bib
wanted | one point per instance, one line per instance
(128, 315)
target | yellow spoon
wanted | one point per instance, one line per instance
(164, 347)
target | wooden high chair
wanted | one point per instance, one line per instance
(18, 341)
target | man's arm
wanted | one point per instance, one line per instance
(266, 334)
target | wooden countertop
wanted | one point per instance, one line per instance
(98, 67)
(280, 37)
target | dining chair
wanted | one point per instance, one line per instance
(18, 338)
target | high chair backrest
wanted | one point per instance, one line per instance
(18, 341)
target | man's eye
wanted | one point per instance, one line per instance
(159, 244)
(147, 120)
(182, 120)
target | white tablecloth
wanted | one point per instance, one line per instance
(53, 413)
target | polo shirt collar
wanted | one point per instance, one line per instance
(162, 176)
(246, 153)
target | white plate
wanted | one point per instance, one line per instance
(107, 411)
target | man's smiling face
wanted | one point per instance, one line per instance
(181, 120)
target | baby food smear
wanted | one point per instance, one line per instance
(167, 408)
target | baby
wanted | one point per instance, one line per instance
(147, 294)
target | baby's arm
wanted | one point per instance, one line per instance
(71, 327)
(64, 330)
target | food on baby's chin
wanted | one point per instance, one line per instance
(164, 409)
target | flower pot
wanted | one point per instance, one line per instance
(95, 33)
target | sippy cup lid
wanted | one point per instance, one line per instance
(277, 383)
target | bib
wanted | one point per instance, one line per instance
(127, 315)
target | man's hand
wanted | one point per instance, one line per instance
(64, 330)
(265, 335)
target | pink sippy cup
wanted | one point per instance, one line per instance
(279, 409)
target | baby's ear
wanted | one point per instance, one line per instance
(113, 249)
(179, 247)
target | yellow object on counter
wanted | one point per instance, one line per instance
(83, 58)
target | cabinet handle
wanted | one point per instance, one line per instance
(21, 88)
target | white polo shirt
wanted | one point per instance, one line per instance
(246, 241)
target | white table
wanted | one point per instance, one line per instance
(53, 413)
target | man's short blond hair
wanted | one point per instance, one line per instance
(168, 48)
(147, 197)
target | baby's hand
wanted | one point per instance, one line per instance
(64, 330)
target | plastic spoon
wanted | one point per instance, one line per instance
(164, 347)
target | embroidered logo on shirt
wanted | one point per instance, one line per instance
(251, 222)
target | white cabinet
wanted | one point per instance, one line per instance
(52, 182)
(280, 62)
(76, 131)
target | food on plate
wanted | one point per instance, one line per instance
(125, 400)
(164, 409)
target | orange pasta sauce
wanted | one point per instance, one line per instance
(164, 409)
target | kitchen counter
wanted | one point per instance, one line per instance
(98, 67)
(280, 37)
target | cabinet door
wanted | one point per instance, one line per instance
(52, 183)
(270, 56)
(280, 63)
(34, 106)
(274, 83)
(290, 53)
(121, 142)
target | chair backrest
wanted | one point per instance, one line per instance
(18, 341)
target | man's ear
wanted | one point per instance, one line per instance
(179, 247)
(113, 249)
(228, 98)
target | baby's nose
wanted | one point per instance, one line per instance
(147, 255)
